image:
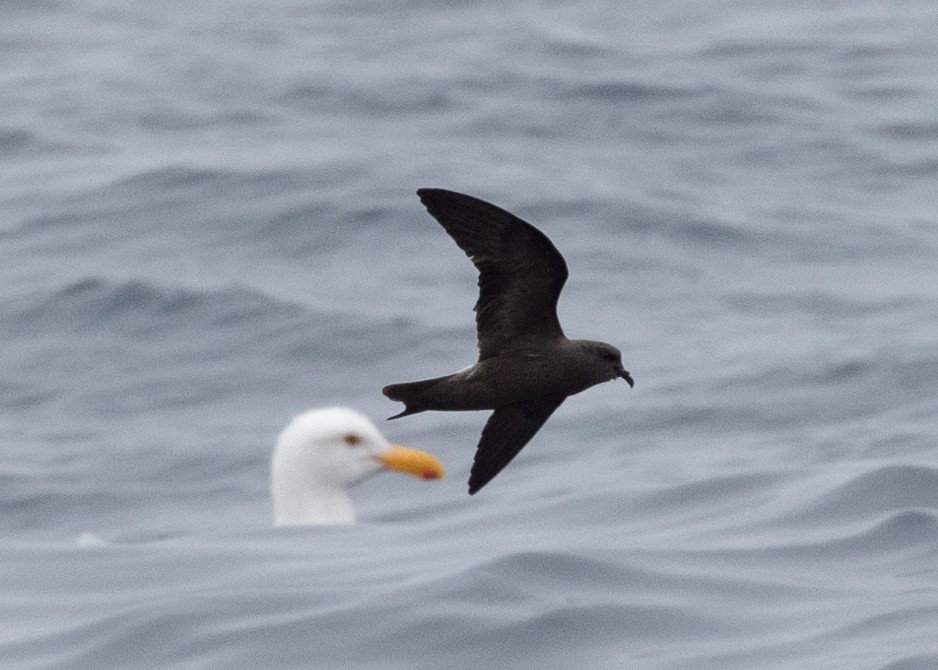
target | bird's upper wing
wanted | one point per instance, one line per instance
(507, 431)
(521, 273)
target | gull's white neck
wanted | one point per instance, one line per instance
(306, 503)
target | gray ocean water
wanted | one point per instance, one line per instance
(208, 224)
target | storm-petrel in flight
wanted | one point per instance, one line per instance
(527, 367)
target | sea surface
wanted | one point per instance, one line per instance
(208, 224)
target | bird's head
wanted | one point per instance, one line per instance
(324, 451)
(608, 362)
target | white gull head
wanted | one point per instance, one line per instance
(321, 453)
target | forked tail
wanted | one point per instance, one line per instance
(414, 395)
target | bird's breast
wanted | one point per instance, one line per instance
(522, 376)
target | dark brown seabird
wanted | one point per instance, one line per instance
(527, 367)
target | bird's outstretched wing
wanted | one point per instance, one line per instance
(505, 434)
(521, 273)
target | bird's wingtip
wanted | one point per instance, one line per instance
(478, 479)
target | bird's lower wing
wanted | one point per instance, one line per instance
(505, 434)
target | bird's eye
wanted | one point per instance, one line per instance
(352, 439)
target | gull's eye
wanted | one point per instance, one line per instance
(352, 439)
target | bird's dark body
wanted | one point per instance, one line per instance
(517, 377)
(527, 366)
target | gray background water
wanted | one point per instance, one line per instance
(208, 224)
